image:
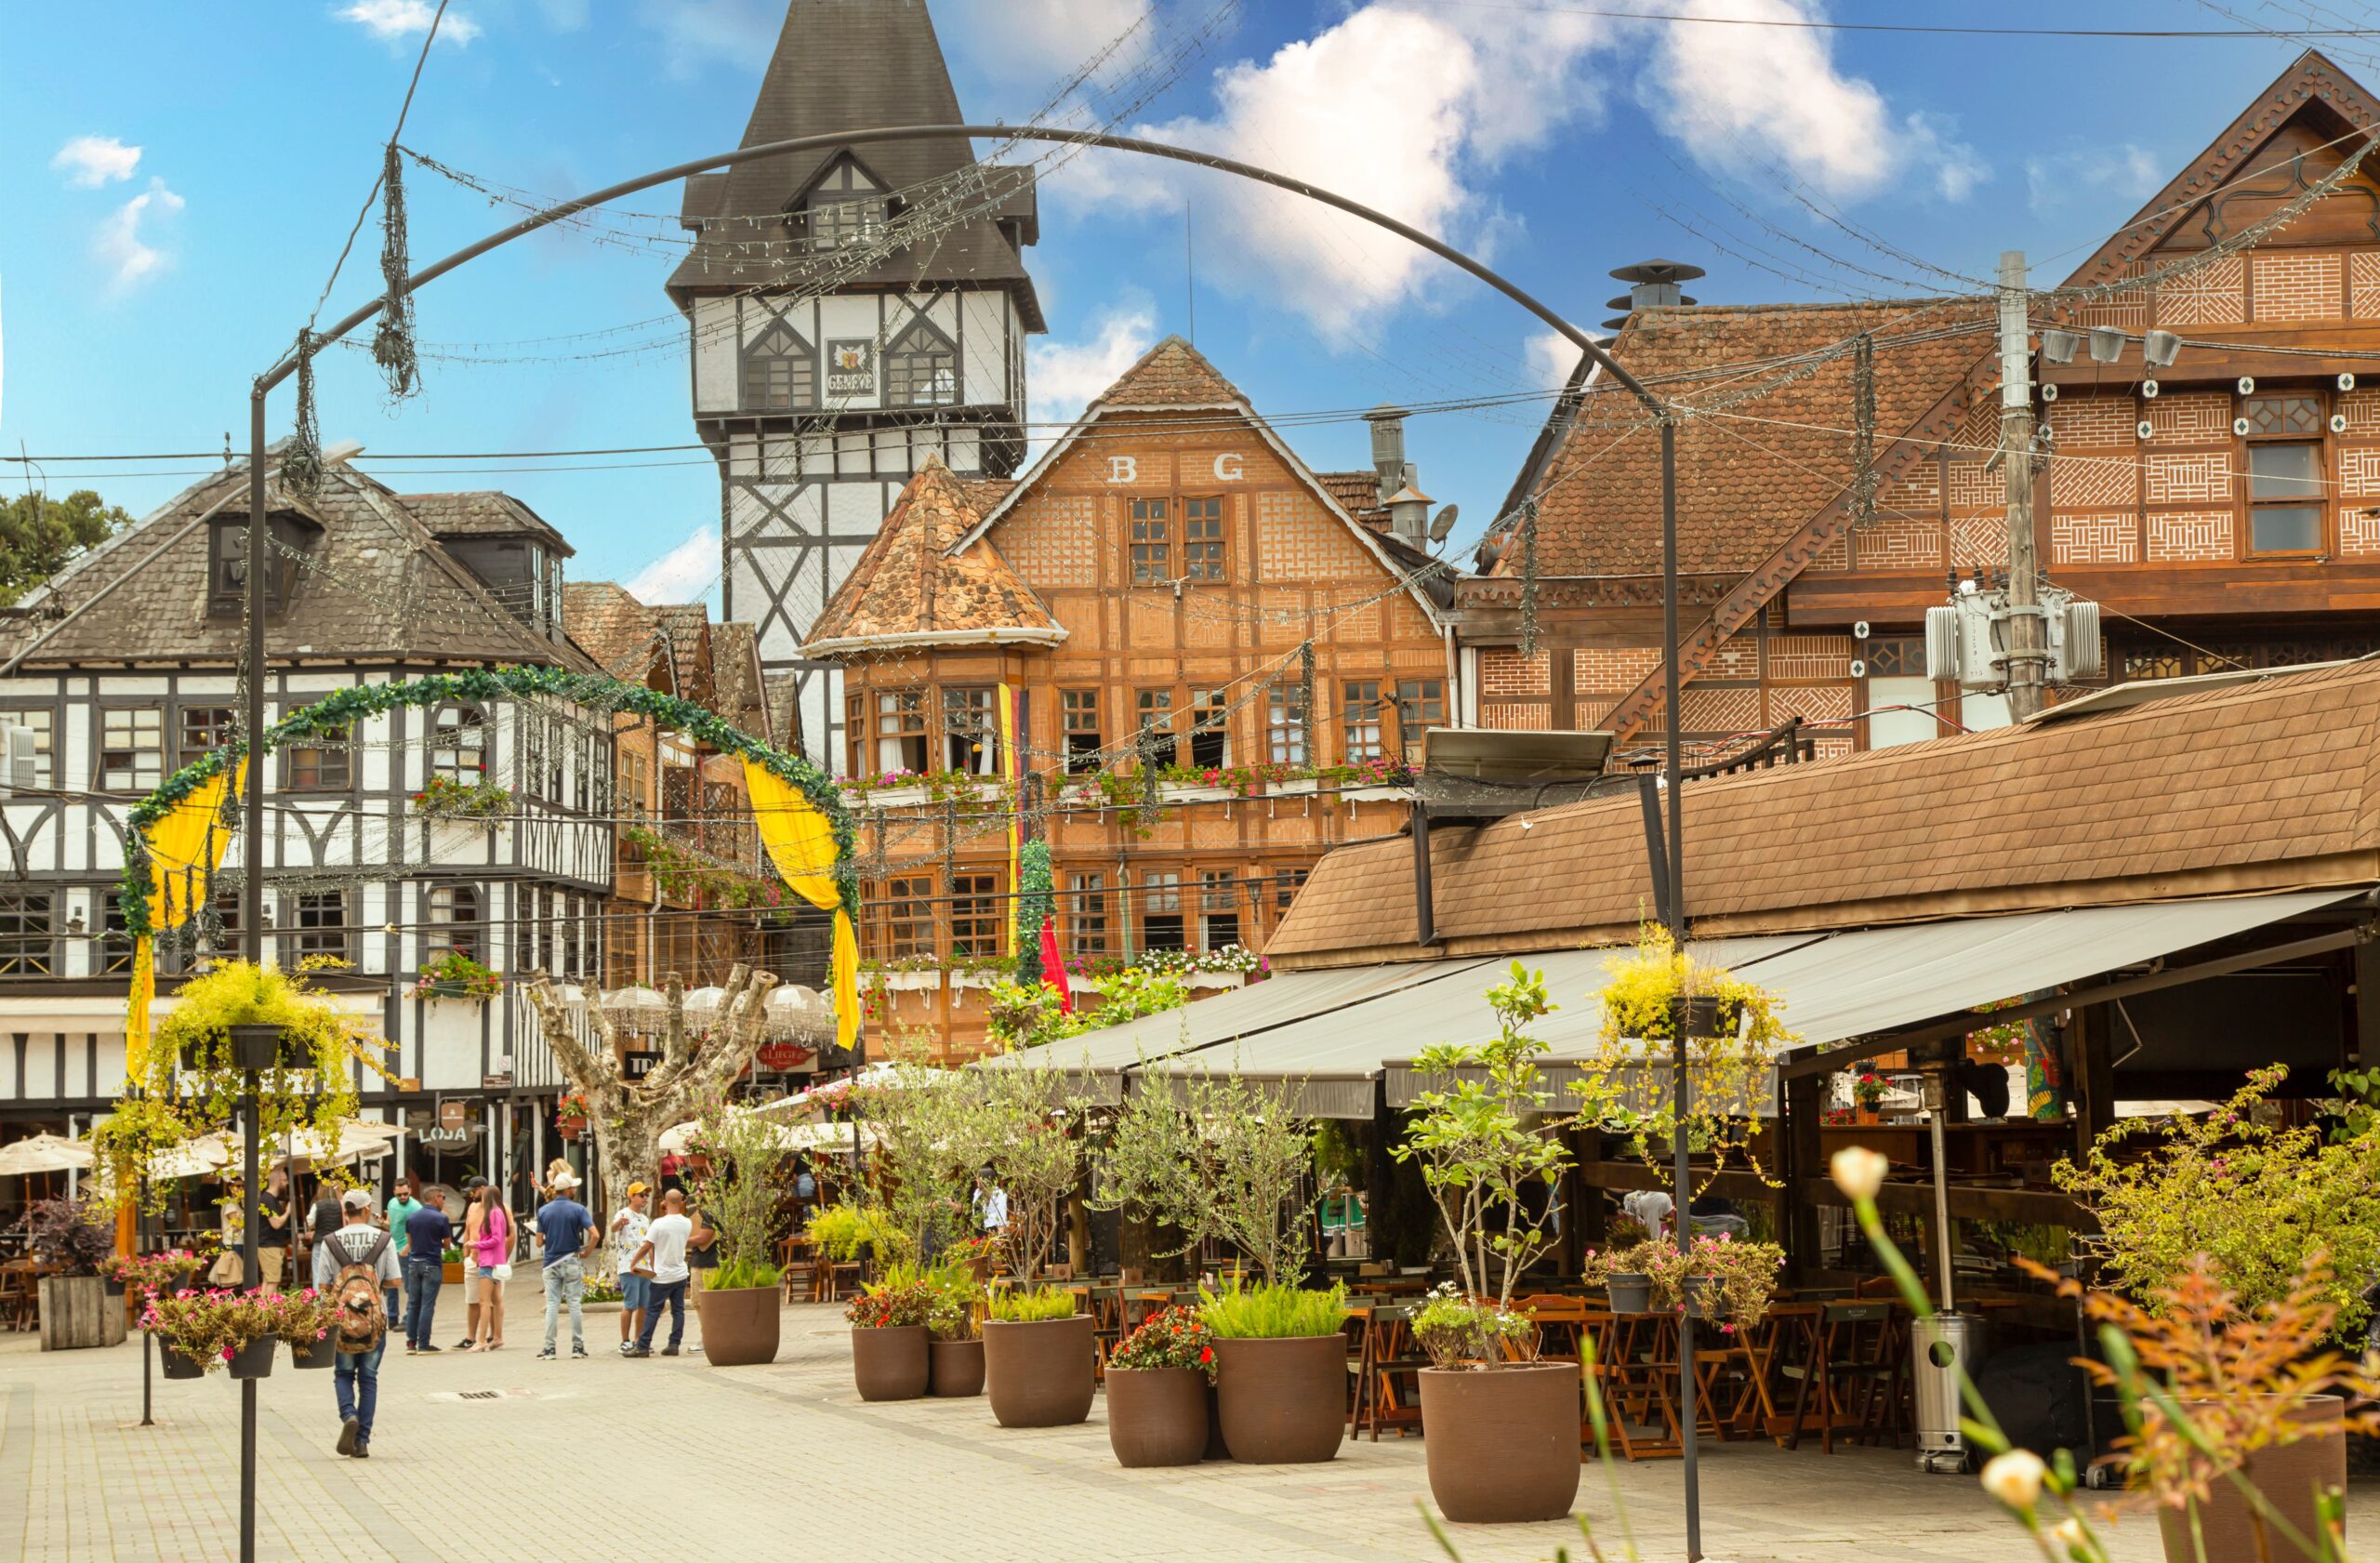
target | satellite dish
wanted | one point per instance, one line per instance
(1442, 523)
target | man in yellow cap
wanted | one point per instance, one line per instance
(628, 1228)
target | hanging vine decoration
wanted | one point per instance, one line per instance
(393, 344)
(1529, 578)
(301, 464)
(1305, 702)
(1037, 902)
(1863, 434)
(327, 717)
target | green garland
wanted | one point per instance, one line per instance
(1036, 903)
(343, 708)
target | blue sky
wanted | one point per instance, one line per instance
(175, 189)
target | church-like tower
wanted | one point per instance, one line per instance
(851, 309)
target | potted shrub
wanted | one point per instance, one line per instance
(954, 1333)
(1719, 1278)
(1868, 1091)
(1157, 1379)
(450, 1265)
(888, 1320)
(570, 1116)
(144, 1275)
(76, 1310)
(1280, 1371)
(1040, 1358)
(213, 1328)
(740, 1299)
(1503, 1429)
(306, 1319)
(455, 975)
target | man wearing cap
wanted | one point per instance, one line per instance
(356, 1374)
(628, 1235)
(566, 1236)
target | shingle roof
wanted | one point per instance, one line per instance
(1172, 374)
(906, 584)
(735, 678)
(1358, 495)
(2267, 785)
(684, 629)
(376, 584)
(483, 514)
(1750, 471)
(612, 627)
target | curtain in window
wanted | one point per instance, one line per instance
(185, 848)
(801, 844)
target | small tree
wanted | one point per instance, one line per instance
(923, 1160)
(1484, 1144)
(739, 1197)
(1215, 1158)
(1027, 1129)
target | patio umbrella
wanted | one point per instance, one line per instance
(789, 1137)
(43, 1153)
(875, 1077)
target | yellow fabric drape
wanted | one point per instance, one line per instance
(801, 844)
(185, 848)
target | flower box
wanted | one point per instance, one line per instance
(1303, 786)
(910, 981)
(1217, 979)
(893, 797)
(1373, 793)
(974, 979)
(571, 1126)
(1193, 792)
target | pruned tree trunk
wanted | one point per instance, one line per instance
(629, 1117)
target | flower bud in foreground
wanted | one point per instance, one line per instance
(1860, 1172)
(2016, 1478)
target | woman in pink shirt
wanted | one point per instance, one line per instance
(492, 1252)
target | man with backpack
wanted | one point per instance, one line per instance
(355, 1264)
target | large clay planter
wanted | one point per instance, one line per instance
(2286, 1473)
(1282, 1402)
(1039, 1371)
(1503, 1444)
(890, 1364)
(740, 1326)
(958, 1369)
(1156, 1416)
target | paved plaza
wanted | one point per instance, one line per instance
(612, 1458)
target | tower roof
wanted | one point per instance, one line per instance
(847, 65)
(1172, 374)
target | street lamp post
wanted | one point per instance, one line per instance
(254, 1048)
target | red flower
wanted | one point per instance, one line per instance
(1206, 1353)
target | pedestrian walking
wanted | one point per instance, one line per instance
(991, 1205)
(493, 1252)
(664, 1253)
(566, 1235)
(805, 1194)
(329, 1212)
(401, 1204)
(354, 1262)
(628, 1237)
(273, 1230)
(426, 1233)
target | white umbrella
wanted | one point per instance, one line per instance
(789, 1137)
(796, 1013)
(637, 1008)
(360, 1139)
(43, 1153)
(703, 1006)
(875, 1077)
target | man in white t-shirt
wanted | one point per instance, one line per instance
(664, 1253)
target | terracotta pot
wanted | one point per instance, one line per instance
(313, 1353)
(571, 1127)
(1629, 1294)
(2286, 1473)
(1282, 1402)
(451, 1275)
(177, 1363)
(1216, 1447)
(1156, 1416)
(1502, 1444)
(890, 1364)
(958, 1369)
(255, 1359)
(1868, 1116)
(1039, 1371)
(740, 1326)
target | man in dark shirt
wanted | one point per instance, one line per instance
(273, 1230)
(566, 1233)
(427, 1234)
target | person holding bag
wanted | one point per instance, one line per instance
(228, 1268)
(493, 1252)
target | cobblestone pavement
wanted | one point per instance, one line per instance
(612, 1458)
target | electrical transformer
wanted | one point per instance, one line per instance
(1968, 641)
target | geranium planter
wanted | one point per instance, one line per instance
(958, 1369)
(1629, 1294)
(1503, 1444)
(1282, 1402)
(740, 1325)
(1038, 1372)
(255, 1359)
(313, 1353)
(2286, 1473)
(1156, 1416)
(177, 1363)
(890, 1363)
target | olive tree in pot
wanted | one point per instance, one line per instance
(1215, 1157)
(1503, 1443)
(738, 1198)
(1039, 1357)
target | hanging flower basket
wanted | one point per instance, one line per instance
(457, 975)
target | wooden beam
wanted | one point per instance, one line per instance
(2031, 1206)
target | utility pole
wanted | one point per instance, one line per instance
(2027, 645)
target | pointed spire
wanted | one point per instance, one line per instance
(907, 585)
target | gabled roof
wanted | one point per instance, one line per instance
(840, 65)
(919, 584)
(374, 584)
(2267, 786)
(736, 691)
(617, 631)
(1168, 377)
(484, 514)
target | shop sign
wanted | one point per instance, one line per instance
(851, 367)
(637, 1063)
(785, 1057)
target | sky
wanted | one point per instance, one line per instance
(173, 193)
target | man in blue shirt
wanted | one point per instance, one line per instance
(566, 1235)
(427, 1234)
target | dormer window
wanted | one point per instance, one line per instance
(839, 225)
(287, 534)
(921, 370)
(780, 371)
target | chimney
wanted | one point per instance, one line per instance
(1652, 285)
(1409, 513)
(1388, 449)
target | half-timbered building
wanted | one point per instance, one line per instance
(2222, 507)
(1218, 663)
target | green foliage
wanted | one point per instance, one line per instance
(735, 1274)
(457, 975)
(1218, 1158)
(444, 798)
(955, 1311)
(686, 874)
(2257, 1200)
(924, 1121)
(1022, 1015)
(2359, 1102)
(1174, 1337)
(1036, 903)
(1136, 991)
(40, 535)
(901, 1300)
(1338, 1156)
(1486, 1142)
(1021, 1304)
(1272, 1313)
(1026, 1129)
(738, 1196)
(842, 1230)
(1460, 1332)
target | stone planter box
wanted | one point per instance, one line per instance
(1039, 1371)
(1282, 1401)
(1503, 1443)
(76, 1311)
(890, 1363)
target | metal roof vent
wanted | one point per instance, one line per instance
(1651, 285)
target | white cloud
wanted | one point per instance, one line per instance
(684, 574)
(1031, 39)
(1777, 91)
(404, 18)
(89, 162)
(1551, 359)
(2054, 179)
(1401, 109)
(694, 32)
(122, 243)
(1062, 377)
